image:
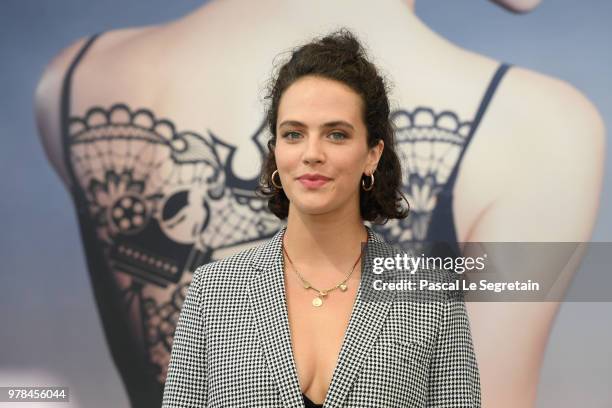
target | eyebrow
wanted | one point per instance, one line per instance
(335, 123)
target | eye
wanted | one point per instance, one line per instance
(342, 135)
(286, 134)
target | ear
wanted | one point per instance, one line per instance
(374, 155)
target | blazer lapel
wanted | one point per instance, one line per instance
(268, 302)
(367, 317)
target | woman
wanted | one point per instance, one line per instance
(289, 316)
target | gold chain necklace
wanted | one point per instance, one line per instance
(318, 301)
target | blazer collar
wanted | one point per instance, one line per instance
(269, 306)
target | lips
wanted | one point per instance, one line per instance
(313, 181)
(313, 177)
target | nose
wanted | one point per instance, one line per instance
(313, 152)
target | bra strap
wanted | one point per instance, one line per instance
(65, 111)
(484, 104)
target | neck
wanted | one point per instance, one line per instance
(325, 247)
(305, 16)
(274, 25)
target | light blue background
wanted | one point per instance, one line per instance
(47, 310)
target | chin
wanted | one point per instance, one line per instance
(312, 207)
(313, 210)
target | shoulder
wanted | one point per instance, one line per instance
(232, 267)
(225, 281)
(53, 73)
(50, 82)
(550, 108)
(536, 123)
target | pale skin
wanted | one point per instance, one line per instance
(324, 226)
(533, 171)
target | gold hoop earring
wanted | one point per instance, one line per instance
(272, 180)
(371, 183)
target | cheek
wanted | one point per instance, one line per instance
(283, 157)
(350, 165)
(350, 172)
(287, 161)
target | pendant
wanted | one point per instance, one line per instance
(342, 287)
(318, 301)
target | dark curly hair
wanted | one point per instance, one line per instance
(340, 56)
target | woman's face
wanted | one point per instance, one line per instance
(320, 131)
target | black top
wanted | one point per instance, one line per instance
(309, 404)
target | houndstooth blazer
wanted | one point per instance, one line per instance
(232, 345)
